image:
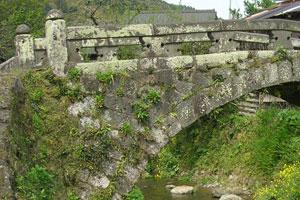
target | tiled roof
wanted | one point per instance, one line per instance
(280, 9)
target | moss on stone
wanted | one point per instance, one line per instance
(44, 133)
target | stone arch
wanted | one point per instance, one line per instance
(234, 87)
(190, 87)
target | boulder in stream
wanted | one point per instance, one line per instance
(170, 187)
(182, 190)
(230, 197)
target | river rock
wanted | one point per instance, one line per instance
(170, 187)
(230, 197)
(218, 192)
(182, 190)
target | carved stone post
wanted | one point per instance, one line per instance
(24, 46)
(56, 37)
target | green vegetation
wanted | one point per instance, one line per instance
(45, 135)
(195, 48)
(127, 129)
(104, 194)
(285, 185)
(281, 54)
(72, 196)
(106, 77)
(135, 194)
(14, 13)
(122, 12)
(224, 143)
(254, 6)
(141, 110)
(153, 96)
(74, 74)
(36, 184)
(142, 106)
(129, 52)
(99, 100)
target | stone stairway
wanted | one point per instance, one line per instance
(250, 105)
(6, 190)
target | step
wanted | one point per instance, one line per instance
(248, 104)
(250, 110)
(246, 114)
(252, 100)
(253, 95)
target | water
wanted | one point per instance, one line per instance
(156, 190)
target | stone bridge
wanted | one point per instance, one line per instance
(160, 92)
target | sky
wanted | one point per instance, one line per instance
(221, 6)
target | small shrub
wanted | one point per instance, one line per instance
(72, 196)
(141, 111)
(75, 93)
(36, 95)
(135, 194)
(291, 118)
(281, 54)
(168, 164)
(37, 184)
(126, 128)
(153, 96)
(37, 123)
(105, 128)
(99, 100)
(74, 74)
(120, 90)
(105, 77)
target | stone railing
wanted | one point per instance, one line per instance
(9, 64)
(63, 45)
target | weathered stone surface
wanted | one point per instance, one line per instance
(99, 181)
(88, 122)
(182, 190)
(6, 175)
(55, 14)
(230, 197)
(25, 50)
(187, 92)
(23, 29)
(56, 38)
(86, 106)
(170, 187)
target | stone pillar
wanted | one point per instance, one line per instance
(56, 38)
(24, 46)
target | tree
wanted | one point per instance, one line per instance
(256, 6)
(14, 13)
(235, 13)
(120, 12)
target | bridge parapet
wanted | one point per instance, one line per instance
(78, 44)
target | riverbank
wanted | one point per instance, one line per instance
(232, 153)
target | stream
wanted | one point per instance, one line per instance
(156, 190)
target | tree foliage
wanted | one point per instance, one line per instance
(235, 13)
(255, 6)
(14, 13)
(116, 11)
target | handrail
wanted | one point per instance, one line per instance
(9, 64)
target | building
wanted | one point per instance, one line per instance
(289, 9)
(175, 17)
